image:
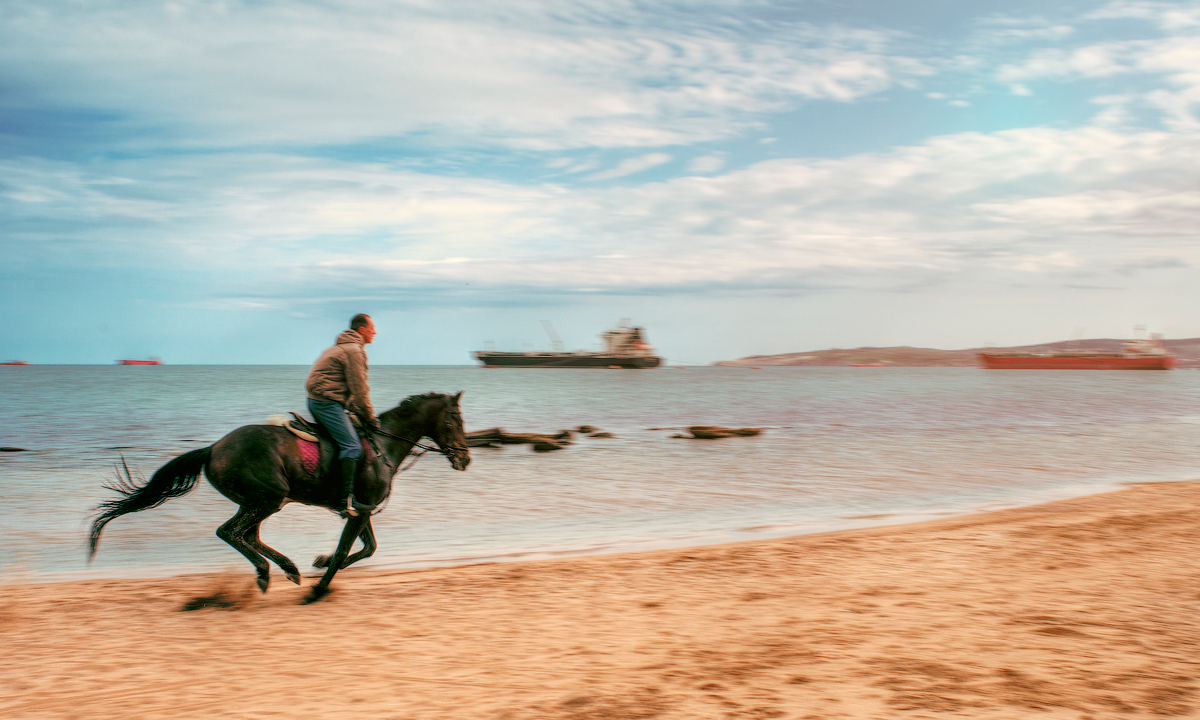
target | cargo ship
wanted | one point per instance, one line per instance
(15, 362)
(625, 347)
(1135, 355)
(151, 361)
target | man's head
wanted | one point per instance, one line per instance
(363, 325)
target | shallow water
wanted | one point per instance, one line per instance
(845, 447)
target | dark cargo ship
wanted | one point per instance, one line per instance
(624, 347)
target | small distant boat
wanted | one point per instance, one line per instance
(15, 362)
(151, 361)
(1136, 355)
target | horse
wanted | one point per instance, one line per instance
(260, 468)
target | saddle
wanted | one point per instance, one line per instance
(315, 442)
(305, 430)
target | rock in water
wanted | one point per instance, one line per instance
(541, 442)
(548, 445)
(715, 432)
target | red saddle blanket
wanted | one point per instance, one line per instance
(310, 454)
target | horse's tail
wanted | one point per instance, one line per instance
(176, 478)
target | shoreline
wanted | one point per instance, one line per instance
(1078, 608)
(700, 539)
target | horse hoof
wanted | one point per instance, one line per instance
(263, 582)
(317, 593)
(322, 561)
(294, 577)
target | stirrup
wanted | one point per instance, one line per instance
(354, 508)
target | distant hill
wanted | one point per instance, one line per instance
(1188, 352)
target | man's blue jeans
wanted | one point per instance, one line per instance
(336, 419)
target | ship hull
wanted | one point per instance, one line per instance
(565, 360)
(1077, 362)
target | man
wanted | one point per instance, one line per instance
(337, 388)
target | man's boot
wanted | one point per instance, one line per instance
(349, 472)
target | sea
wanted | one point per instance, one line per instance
(840, 448)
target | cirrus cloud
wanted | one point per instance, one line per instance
(540, 75)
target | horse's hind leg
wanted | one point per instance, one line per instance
(285, 564)
(234, 532)
(367, 536)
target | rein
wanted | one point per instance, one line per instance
(425, 448)
(400, 466)
(447, 451)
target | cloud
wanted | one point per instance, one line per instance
(1169, 16)
(632, 165)
(289, 226)
(706, 164)
(1039, 202)
(541, 76)
(1092, 61)
(1163, 68)
(1152, 263)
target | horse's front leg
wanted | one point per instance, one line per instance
(354, 526)
(367, 536)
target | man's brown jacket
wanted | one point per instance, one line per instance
(340, 375)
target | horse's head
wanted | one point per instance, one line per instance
(450, 436)
(435, 416)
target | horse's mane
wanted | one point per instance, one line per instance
(410, 404)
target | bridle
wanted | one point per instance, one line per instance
(447, 450)
(424, 448)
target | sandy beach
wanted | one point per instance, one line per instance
(1086, 608)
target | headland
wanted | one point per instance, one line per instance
(1187, 350)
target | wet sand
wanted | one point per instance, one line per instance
(1087, 608)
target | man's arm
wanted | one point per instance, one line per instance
(359, 401)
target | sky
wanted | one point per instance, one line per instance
(230, 181)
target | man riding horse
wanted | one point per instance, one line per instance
(262, 468)
(337, 390)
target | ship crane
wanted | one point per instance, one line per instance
(554, 338)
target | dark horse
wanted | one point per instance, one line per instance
(259, 467)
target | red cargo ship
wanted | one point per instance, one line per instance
(151, 361)
(1138, 355)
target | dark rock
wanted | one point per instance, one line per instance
(715, 432)
(601, 435)
(13, 449)
(548, 445)
(484, 438)
(542, 442)
(585, 429)
(519, 438)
